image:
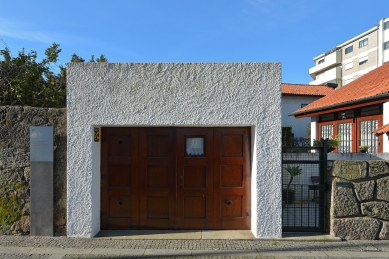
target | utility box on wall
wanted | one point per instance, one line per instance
(42, 174)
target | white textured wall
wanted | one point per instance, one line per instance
(314, 128)
(173, 94)
(385, 116)
(290, 104)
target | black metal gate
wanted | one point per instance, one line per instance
(303, 186)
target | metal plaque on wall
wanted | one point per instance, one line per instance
(41, 144)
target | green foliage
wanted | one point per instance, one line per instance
(287, 136)
(363, 147)
(9, 210)
(76, 58)
(332, 142)
(293, 171)
(26, 81)
(308, 131)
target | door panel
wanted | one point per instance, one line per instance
(194, 179)
(232, 178)
(119, 178)
(175, 178)
(157, 178)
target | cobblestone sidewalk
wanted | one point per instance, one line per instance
(66, 248)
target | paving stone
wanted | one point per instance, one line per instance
(220, 248)
(356, 228)
(376, 209)
(383, 189)
(384, 234)
(365, 190)
(350, 170)
(344, 202)
(378, 167)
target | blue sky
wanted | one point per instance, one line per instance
(288, 31)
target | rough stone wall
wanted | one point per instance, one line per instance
(15, 166)
(360, 200)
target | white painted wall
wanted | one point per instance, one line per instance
(291, 103)
(173, 94)
(314, 127)
(385, 148)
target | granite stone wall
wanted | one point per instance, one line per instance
(360, 200)
(15, 166)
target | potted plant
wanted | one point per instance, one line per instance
(363, 148)
(331, 144)
(288, 192)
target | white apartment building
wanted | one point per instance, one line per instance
(353, 58)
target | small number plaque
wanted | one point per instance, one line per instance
(343, 184)
(97, 134)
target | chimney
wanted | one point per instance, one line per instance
(332, 85)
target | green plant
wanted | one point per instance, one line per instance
(332, 142)
(287, 136)
(293, 171)
(363, 147)
(10, 210)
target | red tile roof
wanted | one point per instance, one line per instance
(382, 130)
(299, 89)
(373, 84)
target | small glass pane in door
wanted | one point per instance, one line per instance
(194, 146)
(367, 137)
(345, 137)
(327, 131)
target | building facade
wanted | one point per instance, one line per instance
(353, 58)
(182, 146)
(296, 96)
(353, 113)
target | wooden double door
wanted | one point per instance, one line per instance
(175, 178)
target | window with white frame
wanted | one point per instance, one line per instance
(348, 66)
(348, 81)
(386, 45)
(349, 49)
(386, 25)
(320, 75)
(363, 60)
(363, 42)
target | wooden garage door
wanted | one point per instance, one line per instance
(156, 178)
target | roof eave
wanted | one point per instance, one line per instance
(339, 105)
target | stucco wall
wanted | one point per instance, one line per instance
(291, 103)
(173, 94)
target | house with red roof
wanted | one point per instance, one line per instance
(296, 96)
(358, 112)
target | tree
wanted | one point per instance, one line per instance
(27, 82)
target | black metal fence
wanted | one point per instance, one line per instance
(303, 186)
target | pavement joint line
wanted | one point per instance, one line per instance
(63, 251)
(15, 249)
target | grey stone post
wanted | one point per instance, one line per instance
(42, 173)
